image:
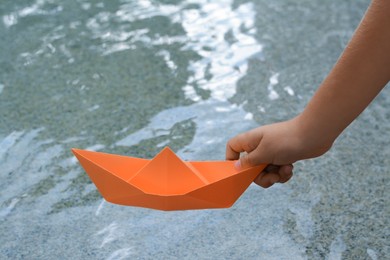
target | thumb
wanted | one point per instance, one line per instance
(249, 160)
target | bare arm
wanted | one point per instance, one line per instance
(358, 76)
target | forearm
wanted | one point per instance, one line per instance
(359, 75)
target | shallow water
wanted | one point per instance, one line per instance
(130, 77)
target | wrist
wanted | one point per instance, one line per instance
(315, 138)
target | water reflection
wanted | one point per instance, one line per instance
(123, 77)
(40, 7)
(221, 36)
(223, 39)
(94, 72)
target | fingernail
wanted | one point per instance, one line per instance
(237, 164)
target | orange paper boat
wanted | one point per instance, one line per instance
(166, 182)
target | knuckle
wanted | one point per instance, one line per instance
(241, 137)
(230, 142)
(249, 145)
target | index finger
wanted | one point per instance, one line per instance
(233, 149)
(245, 142)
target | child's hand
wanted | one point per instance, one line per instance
(279, 145)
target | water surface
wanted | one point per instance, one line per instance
(130, 77)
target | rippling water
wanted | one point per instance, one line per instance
(130, 77)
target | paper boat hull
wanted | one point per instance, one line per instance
(117, 187)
